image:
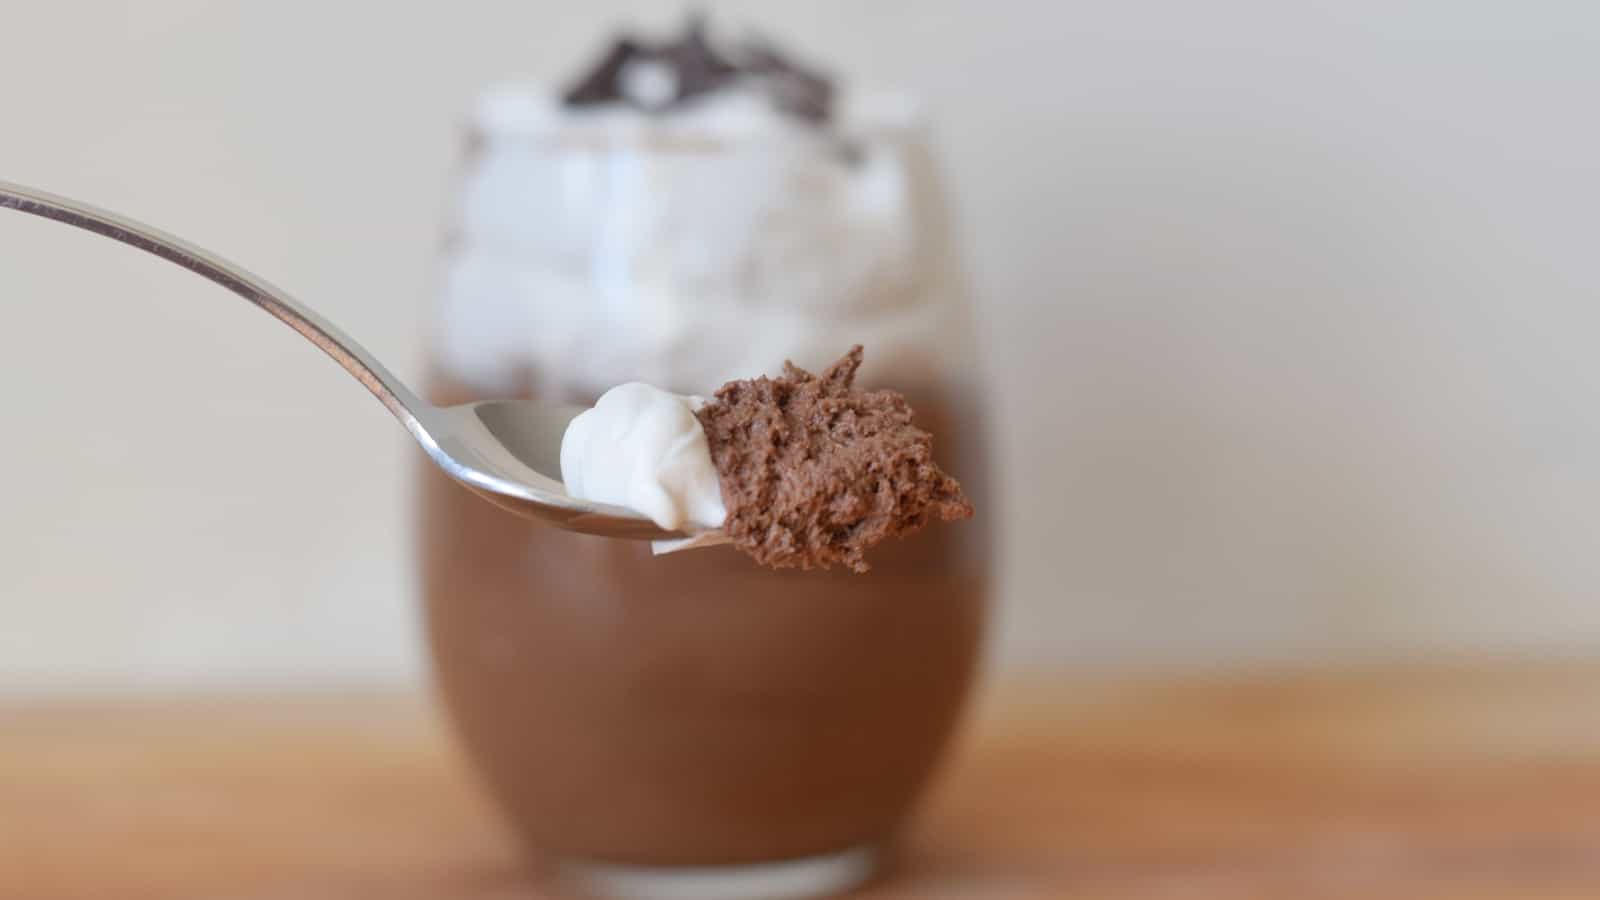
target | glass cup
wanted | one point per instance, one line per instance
(692, 723)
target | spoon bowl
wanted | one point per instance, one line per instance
(507, 451)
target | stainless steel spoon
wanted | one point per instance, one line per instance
(508, 451)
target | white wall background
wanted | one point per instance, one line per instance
(1292, 309)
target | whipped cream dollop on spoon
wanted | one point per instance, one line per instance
(642, 447)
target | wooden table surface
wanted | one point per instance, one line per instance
(1447, 783)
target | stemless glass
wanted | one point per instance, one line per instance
(692, 721)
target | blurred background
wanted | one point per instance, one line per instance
(1289, 314)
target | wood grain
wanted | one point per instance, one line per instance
(1458, 783)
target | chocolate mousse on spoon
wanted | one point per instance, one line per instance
(802, 471)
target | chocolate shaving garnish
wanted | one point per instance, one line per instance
(697, 68)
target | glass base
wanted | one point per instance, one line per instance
(790, 879)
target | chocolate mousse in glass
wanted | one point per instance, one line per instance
(695, 724)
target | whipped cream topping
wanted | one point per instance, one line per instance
(642, 447)
(597, 245)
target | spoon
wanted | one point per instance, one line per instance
(507, 451)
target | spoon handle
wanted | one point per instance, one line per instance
(394, 395)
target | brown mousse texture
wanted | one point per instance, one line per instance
(815, 472)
